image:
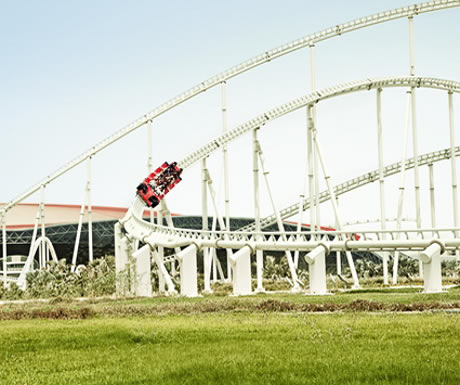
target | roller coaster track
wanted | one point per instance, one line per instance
(140, 229)
(313, 98)
(265, 57)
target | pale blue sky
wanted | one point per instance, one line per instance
(74, 72)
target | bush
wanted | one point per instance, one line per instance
(96, 279)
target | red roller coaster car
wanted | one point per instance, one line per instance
(153, 189)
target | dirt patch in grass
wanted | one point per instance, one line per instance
(79, 310)
(59, 313)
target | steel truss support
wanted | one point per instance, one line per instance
(332, 194)
(259, 153)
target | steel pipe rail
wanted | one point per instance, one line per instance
(267, 56)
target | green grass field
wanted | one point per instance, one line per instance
(222, 340)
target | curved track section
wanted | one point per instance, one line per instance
(256, 61)
(156, 235)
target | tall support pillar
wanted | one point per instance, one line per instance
(311, 170)
(315, 156)
(150, 159)
(381, 182)
(402, 183)
(416, 169)
(414, 133)
(256, 193)
(90, 220)
(226, 181)
(4, 250)
(453, 164)
(204, 219)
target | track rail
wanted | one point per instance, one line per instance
(256, 61)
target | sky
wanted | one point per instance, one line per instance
(74, 72)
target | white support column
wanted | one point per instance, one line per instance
(226, 181)
(338, 261)
(431, 259)
(42, 249)
(416, 169)
(204, 216)
(279, 222)
(301, 201)
(381, 182)
(256, 196)
(143, 279)
(311, 182)
(188, 271)
(150, 160)
(4, 249)
(241, 262)
(315, 156)
(316, 260)
(414, 133)
(159, 254)
(334, 205)
(88, 199)
(453, 161)
(79, 227)
(402, 183)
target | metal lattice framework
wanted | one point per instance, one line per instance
(250, 238)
